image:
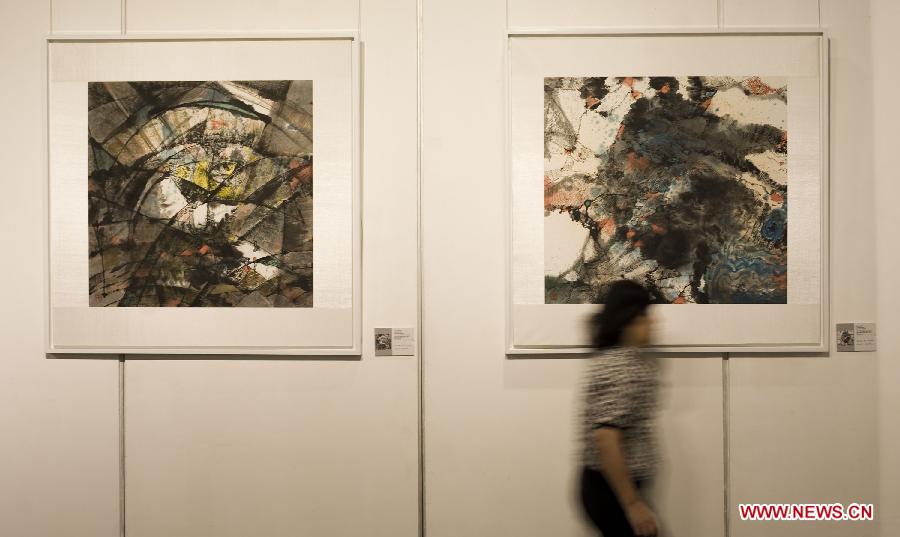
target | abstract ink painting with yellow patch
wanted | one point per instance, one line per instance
(201, 193)
(679, 183)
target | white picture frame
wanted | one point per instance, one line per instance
(535, 328)
(332, 326)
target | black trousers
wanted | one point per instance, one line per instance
(601, 505)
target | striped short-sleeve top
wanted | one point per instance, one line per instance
(621, 390)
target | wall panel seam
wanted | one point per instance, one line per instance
(726, 441)
(122, 445)
(420, 270)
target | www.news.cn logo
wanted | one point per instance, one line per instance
(806, 511)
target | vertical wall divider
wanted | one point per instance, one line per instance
(726, 403)
(420, 378)
(726, 440)
(124, 28)
(124, 14)
(121, 445)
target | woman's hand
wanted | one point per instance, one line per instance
(641, 518)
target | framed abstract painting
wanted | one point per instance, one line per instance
(204, 196)
(694, 164)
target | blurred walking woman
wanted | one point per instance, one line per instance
(620, 391)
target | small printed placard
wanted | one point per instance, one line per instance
(395, 341)
(856, 337)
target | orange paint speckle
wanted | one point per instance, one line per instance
(607, 227)
(679, 300)
(203, 250)
(780, 280)
(758, 87)
(547, 184)
(636, 163)
(303, 176)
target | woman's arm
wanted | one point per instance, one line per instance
(614, 468)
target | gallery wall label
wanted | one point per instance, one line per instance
(395, 341)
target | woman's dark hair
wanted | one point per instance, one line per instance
(624, 301)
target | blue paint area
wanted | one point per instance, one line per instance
(774, 226)
(746, 277)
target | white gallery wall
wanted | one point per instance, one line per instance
(58, 419)
(233, 446)
(885, 79)
(321, 448)
(296, 447)
(500, 434)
